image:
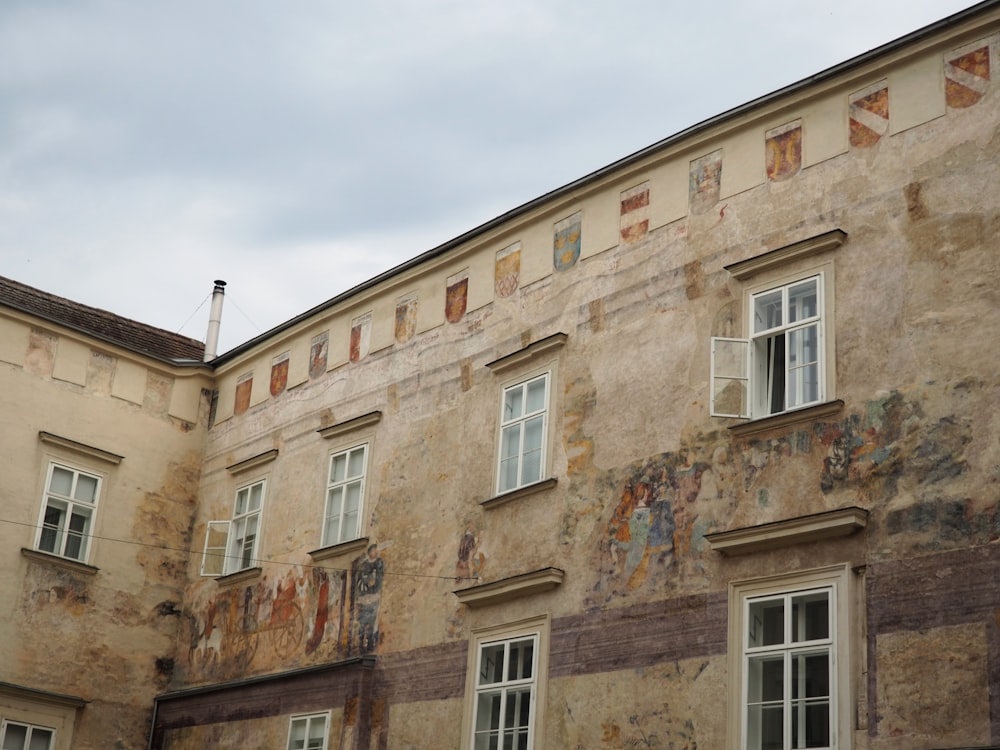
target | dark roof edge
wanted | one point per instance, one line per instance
(828, 73)
(89, 333)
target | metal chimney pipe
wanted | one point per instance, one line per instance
(214, 320)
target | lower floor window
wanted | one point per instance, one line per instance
(505, 694)
(790, 645)
(309, 732)
(16, 736)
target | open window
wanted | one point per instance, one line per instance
(68, 510)
(781, 366)
(232, 545)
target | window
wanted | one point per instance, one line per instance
(17, 736)
(231, 546)
(523, 417)
(782, 365)
(792, 644)
(505, 694)
(345, 491)
(308, 732)
(68, 511)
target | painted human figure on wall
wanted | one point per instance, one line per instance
(368, 575)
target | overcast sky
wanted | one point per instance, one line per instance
(297, 149)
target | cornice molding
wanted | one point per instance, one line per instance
(358, 423)
(827, 525)
(531, 352)
(515, 587)
(772, 259)
(82, 448)
(253, 462)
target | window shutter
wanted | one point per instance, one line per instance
(213, 559)
(730, 377)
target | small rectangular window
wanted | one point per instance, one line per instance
(309, 732)
(68, 510)
(505, 694)
(345, 491)
(17, 736)
(781, 366)
(523, 428)
(232, 546)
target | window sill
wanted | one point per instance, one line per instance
(528, 489)
(514, 587)
(813, 528)
(60, 562)
(786, 418)
(240, 576)
(336, 550)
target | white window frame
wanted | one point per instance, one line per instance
(509, 423)
(226, 550)
(344, 485)
(535, 630)
(834, 582)
(30, 731)
(742, 375)
(310, 721)
(70, 506)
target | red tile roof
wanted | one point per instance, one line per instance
(100, 324)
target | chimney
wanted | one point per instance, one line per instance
(214, 320)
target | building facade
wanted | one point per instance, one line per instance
(695, 452)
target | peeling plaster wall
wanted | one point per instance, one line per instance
(638, 627)
(104, 632)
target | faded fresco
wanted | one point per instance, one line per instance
(967, 75)
(456, 296)
(318, 348)
(306, 615)
(566, 241)
(508, 270)
(406, 319)
(634, 213)
(279, 374)
(662, 507)
(705, 182)
(244, 387)
(361, 337)
(471, 556)
(869, 115)
(783, 146)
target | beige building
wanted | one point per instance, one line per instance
(698, 451)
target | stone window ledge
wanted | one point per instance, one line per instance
(529, 489)
(59, 562)
(786, 418)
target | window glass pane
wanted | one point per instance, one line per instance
(521, 655)
(517, 711)
(513, 403)
(811, 616)
(766, 623)
(52, 523)
(349, 529)
(241, 501)
(86, 488)
(488, 712)
(765, 678)
(810, 724)
(297, 735)
(41, 739)
(15, 737)
(811, 675)
(765, 728)
(532, 467)
(61, 482)
(536, 395)
(338, 468)
(803, 300)
(491, 664)
(356, 462)
(256, 492)
(353, 497)
(533, 433)
(332, 531)
(767, 311)
(508, 474)
(317, 732)
(510, 441)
